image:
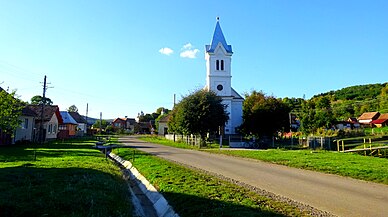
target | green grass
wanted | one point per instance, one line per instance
(382, 130)
(193, 193)
(345, 164)
(166, 142)
(66, 179)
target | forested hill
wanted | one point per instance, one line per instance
(355, 100)
(358, 92)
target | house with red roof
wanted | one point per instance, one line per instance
(381, 121)
(368, 117)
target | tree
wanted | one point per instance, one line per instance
(264, 115)
(199, 113)
(72, 108)
(316, 113)
(38, 100)
(104, 124)
(10, 111)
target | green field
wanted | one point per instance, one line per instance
(193, 193)
(66, 179)
(345, 164)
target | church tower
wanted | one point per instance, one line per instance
(219, 78)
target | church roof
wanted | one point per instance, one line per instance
(218, 37)
(236, 95)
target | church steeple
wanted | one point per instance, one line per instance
(218, 37)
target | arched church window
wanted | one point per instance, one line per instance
(217, 65)
(222, 65)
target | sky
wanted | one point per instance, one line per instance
(122, 57)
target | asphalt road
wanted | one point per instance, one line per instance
(338, 195)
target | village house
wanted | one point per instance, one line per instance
(26, 131)
(163, 128)
(126, 124)
(368, 117)
(81, 123)
(68, 127)
(381, 121)
(51, 120)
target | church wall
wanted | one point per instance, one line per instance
(237, 113)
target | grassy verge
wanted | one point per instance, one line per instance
(193, 193)
(66, 179)
(345, 164)
(163, 141)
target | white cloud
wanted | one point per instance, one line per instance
(187, 46)
(189, 53)
(166, 51)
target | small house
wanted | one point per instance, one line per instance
(26, 131)
(368, 117)
(163, 128)
(68, 127)
(50, 122)
(381, 121)
(81, 123)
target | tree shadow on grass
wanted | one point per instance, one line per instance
(29, 191)
(191, 205)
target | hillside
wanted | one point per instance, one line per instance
(358, 92)
(355, 100)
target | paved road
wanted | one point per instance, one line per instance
(337, 195)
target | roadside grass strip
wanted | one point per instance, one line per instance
(345, 164)
(66, 179)
(194, 193)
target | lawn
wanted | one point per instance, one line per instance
(66, 179)
(345, 164)
(193, 193)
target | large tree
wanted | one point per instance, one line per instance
(199, 113)
(10, 111)
(264, 115)
(316, 113)
(38, 100)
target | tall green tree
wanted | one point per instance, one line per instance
(199, 113)
(264, 115)
(38, 100)
(10, 111)
(316, 113)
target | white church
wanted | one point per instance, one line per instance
(218, 57)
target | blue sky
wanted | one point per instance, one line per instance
(109, 53)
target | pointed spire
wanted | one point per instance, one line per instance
(218, 37)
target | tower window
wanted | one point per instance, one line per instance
(222, 65)
(217, 65)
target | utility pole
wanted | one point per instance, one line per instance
(86, 118)
(100, 123)
(41, 135)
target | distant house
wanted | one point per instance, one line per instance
(354, 122)
(127, 124)
(27, 130)
(81, 123)
(68, 127)
(51, 120)
(163, 128)
(381, 121)
(368, 117)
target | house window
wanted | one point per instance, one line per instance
(217, 65)
(50, 128)
(222, 65)
(62, 127)
(24, 124)
(55, 128)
